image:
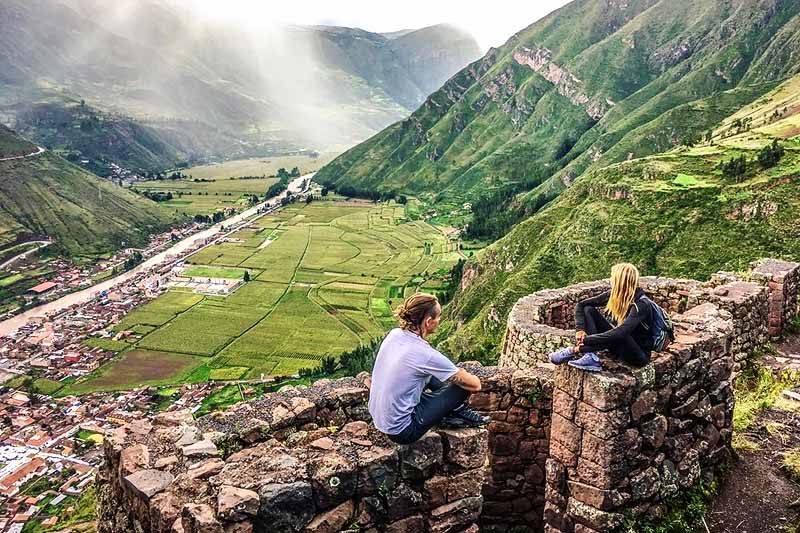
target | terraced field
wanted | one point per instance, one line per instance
(325, 277)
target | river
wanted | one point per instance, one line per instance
(11, 325)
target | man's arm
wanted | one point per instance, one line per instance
(465, 380)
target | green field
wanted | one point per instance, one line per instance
(261, 166)
(222, 184)
(197, 271)
(326, 281)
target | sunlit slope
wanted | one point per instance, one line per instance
(671, 214)
(593, 83)
(44, 195)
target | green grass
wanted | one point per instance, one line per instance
(198, 271)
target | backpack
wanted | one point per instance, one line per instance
(660, 327)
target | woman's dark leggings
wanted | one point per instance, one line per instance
(434, 404)
(626, 349)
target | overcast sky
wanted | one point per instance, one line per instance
(492, 22)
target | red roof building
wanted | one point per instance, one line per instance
(42, 287)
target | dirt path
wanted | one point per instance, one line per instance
(758, 494)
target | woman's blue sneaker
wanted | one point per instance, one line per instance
(589, 362)
(563, 355)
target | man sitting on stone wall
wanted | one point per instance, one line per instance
(406, 365)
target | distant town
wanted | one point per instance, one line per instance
(50, 447)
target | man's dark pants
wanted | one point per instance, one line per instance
(434, 404)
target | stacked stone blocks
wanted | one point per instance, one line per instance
(306, 460)
(624, 440)
(519, 403)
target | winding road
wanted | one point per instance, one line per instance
(39, 150)
(172, 254)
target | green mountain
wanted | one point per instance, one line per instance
(688, 212)
(83, 133)
(268, 88)
(45, 195)
(594, 83)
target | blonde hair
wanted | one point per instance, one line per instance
(413, 312)
(624, 282)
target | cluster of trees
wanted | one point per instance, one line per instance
(158, 196)
(366, 194)
(134, 259)
(736, 167)
(218, 216)
(283, 173)
(277, 188)
(495, 213)
(770, 155)
(350, 363)
(160, 176)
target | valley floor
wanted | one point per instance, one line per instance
(322, 278)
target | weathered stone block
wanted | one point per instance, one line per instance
(594, 518)
(287, 506)
(147, 483)
(332, 521)
(235, 504)
(333, 479)
(377, 470)
(456, 514)
(199, 518)
(420, 459)
(465, 448)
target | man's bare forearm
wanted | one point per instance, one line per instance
(466, 381)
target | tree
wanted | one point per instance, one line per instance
(324, 191)
(402, 199)
(246, 276)
(770, 155)
(309, 199)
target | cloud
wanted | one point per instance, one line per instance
(492, 23)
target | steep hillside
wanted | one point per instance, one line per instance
(688, 212)
(45, 195)
(12, 145)
(86, 134)
(271, 88)
(594, 83)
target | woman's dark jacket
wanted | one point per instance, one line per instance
(636, 323)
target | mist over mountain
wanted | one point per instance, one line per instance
(271, 88)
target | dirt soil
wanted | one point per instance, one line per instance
(758, 495)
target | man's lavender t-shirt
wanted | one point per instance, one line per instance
(404, 364)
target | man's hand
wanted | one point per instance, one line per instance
(465, 380)
(580, 336)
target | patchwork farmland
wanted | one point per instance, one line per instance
(324, 278)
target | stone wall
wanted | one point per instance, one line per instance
(625, 440)
(748, 305)
(519, 403)
(782, 278)
(305, 459)
(762, 301)
(566, 451)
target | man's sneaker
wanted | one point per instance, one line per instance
(452, 421)
(470, 416)
(563, 355)
(589, 362)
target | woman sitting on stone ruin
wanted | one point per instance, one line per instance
(627, 335)
(406, 366)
